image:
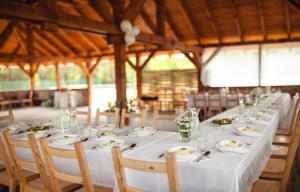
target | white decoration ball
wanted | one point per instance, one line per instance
(135, 31)
(126, 26)
(129, 39)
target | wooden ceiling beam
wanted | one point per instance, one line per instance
(6, 33)
(103, 9)
(38, 15)
(133, 10)
(161, 13)
(130, 63)
(262, 19)
(295, 4)
(7, 57)
(143, 65)
(72, 42)
(236, 19)
(287, 19)
(29, 39)
(148, 21)
(212, 22)
(189, 19)
(91, 43)
(65, 43)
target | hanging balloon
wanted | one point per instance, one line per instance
(126, 26)
(135, 31)
(129, 39)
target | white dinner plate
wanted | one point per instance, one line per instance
(224, 146)
(242, 131)
(107, 144)
(144, 131)
(183, 152)
(65, 139)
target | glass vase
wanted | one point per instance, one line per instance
(184, 134)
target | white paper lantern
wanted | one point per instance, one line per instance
(126, 26)
(129, 39)
(135, 31)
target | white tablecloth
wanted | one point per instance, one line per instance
(224, 172)
(65, 99)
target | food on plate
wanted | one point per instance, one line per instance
(183, 151)
(110, 143)
(233, 143)
(107, 133)
(224, 121)
(247, 129)
(38, 128)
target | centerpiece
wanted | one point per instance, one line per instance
(185, 121)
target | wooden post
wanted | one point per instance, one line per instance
(139, 78)
(58, 80)
(119, 52)
(31, 82)
(198, 64)
(90, 86)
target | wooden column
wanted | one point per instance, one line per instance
(119, 52)
(31, 82)
(198, 60)
(90, 86)
(58, 80)
(139, 78)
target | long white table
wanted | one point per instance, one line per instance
(224, 172)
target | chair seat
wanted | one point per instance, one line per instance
(281, 152)
(265, 185)
(285, 132)
(97, 189)
(274, 169)
(282, 140)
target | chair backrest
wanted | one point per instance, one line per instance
(4, 157)
(214, 101)
(290, 162)
(200, 101)
(232, 100)
(142, 116)
(115, 114)
(292, 111)
(21, 164)
(295, 115)
(9, 117)
(85, 113)
(56, 176)
(157, 116)
(120, 163)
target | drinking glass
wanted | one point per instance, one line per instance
(201, 144)
(132, 136)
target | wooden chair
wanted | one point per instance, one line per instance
(232, 100)
(7, 172)
(262, 185)
(84, 180)
(9, 117)
(157, 116)
(142, 116)
(29, 100)
(286, 139)
(85, 113)
(29, 181)
(287, 130)
(200, 102)
(115, 114)
(120, 163)
(214, 104)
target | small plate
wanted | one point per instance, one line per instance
(144, 131)
(183, 152)
(65, 139)
(231, 146)
(109, 143)
(246, 131)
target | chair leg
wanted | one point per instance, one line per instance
(12, 186)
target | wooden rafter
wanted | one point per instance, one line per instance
(148, 21)
(161, 13)
(133, 9)
(103, 9)
(73, 43)
(190, 20)
(29, 39)
(37, 15)
(173, 27)
(6, 33)
(288, 19)
(262, 18)
(65, 43)
(92, 68)
(130, 63)
(212, 56)
(237, 21)
(295, 4)
(212, 22)
(147, 60)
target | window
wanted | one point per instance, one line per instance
(232, 67)
(280, 64)
(12, 78)
(45, 77)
